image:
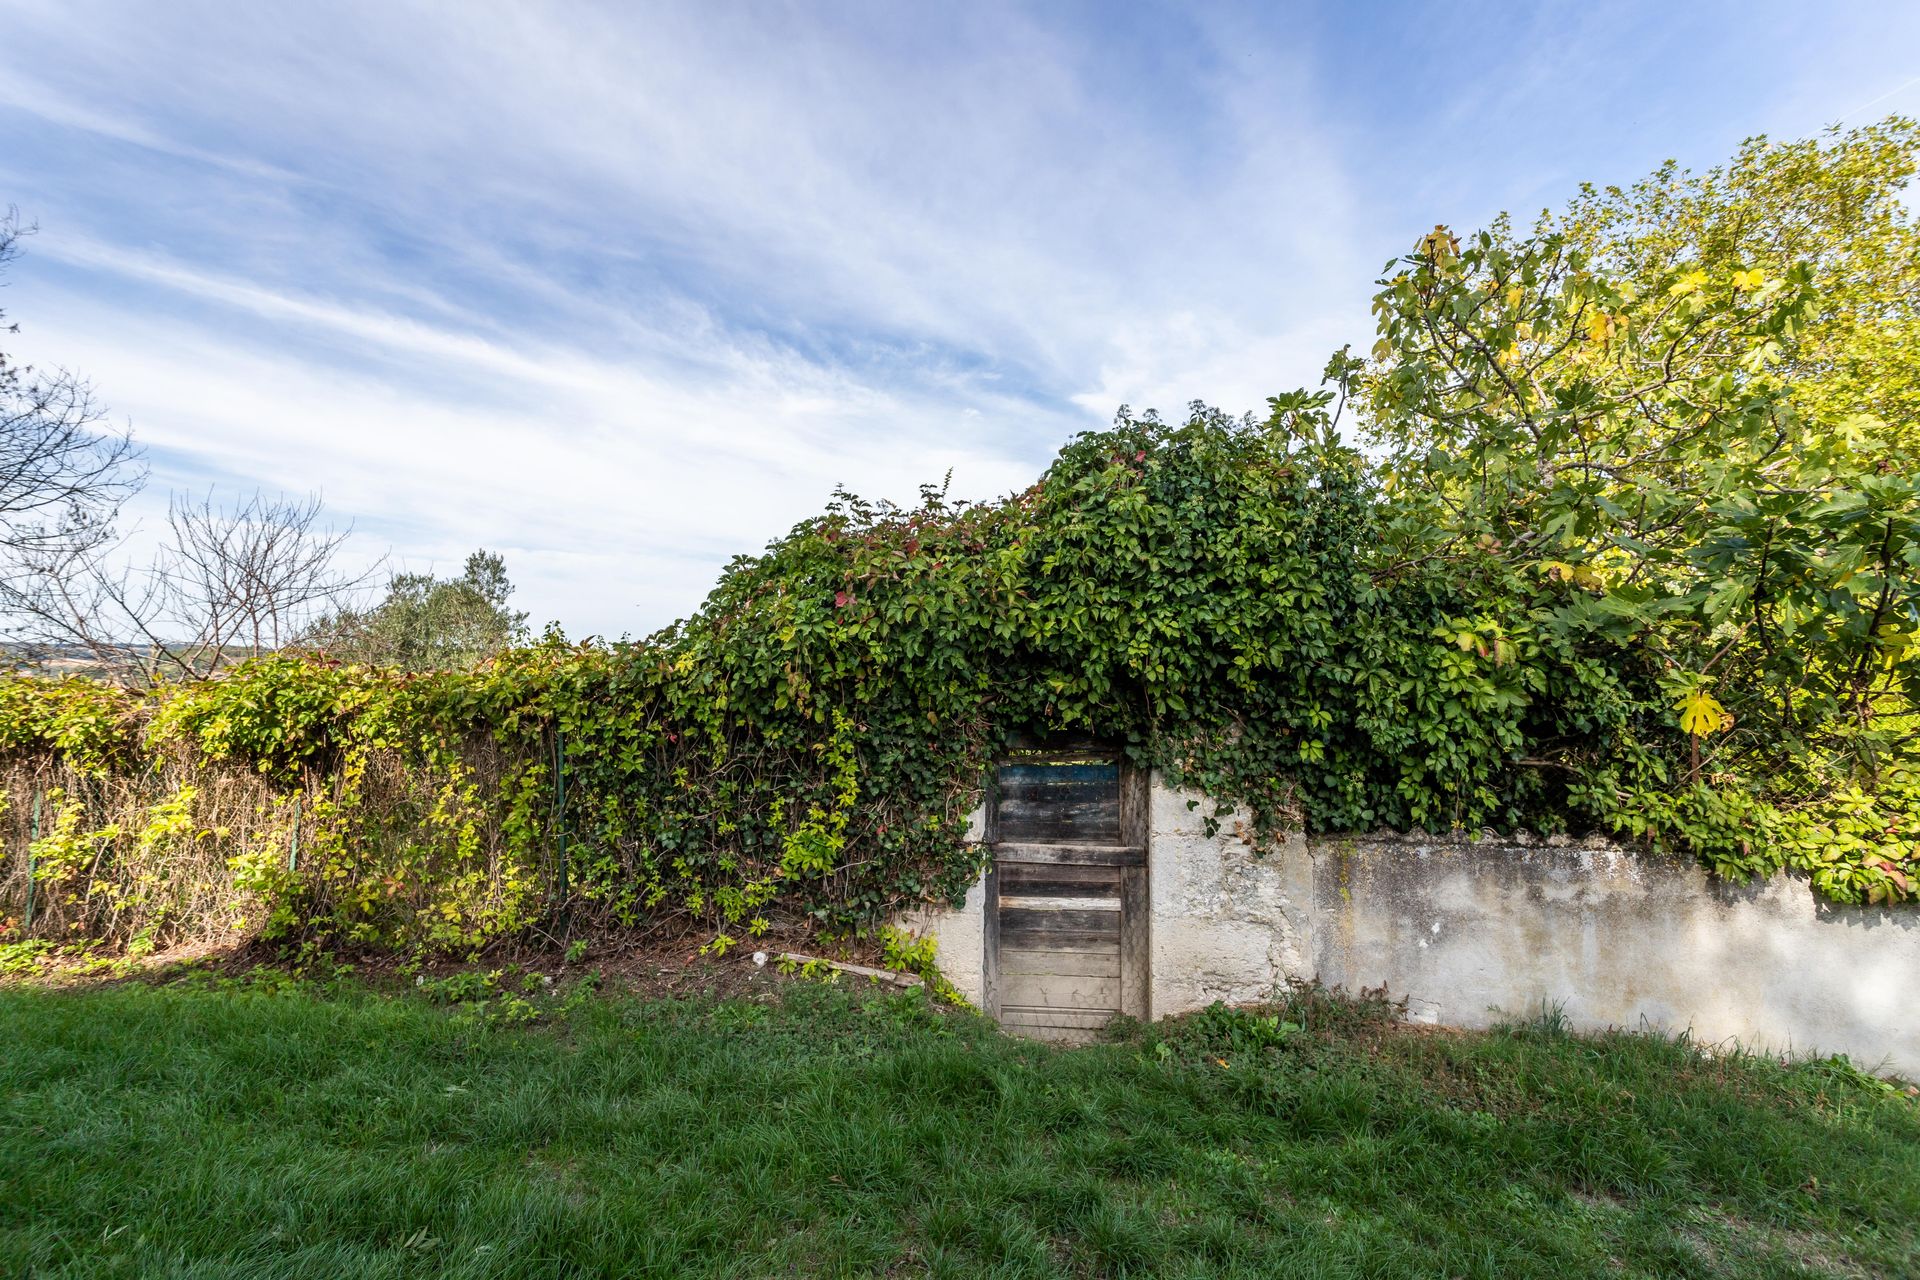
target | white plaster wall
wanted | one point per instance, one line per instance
(1227, 919)
(1473, 932)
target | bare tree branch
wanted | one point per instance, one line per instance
(247, 580)
(63, 473)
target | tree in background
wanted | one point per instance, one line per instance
(1684, 414)
(227, 583)
(1833, 204)
(428, 623)
(63, 475)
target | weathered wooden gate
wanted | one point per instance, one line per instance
(1066, 898)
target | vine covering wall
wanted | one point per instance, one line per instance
(1212, 593)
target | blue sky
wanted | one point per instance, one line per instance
(624, 290)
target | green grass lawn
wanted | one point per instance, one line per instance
(260, 1129)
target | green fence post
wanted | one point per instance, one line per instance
(560, 804)
(26, 921)
(293, 841)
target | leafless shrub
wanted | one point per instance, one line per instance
(248, 580)
(227, 583)
(63, 472)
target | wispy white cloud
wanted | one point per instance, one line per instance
(673, 279)
(617, 494)
(623, 292)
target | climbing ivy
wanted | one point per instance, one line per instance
(1225, 598)
(1634, 547)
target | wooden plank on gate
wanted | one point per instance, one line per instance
(1062, 991)
(1085, 1019)
(1059, 799)
(1135, 804)
(1065, 879)
(990, 963)
(1135, 987)
(1087, 855)
(1103, 963)
(1057, 1035)
(1042, 930)
(1043, 902)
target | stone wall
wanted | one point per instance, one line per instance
(1227, 925)
(960, 934)
(1472, 932)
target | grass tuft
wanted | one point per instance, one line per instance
(295, 1129)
